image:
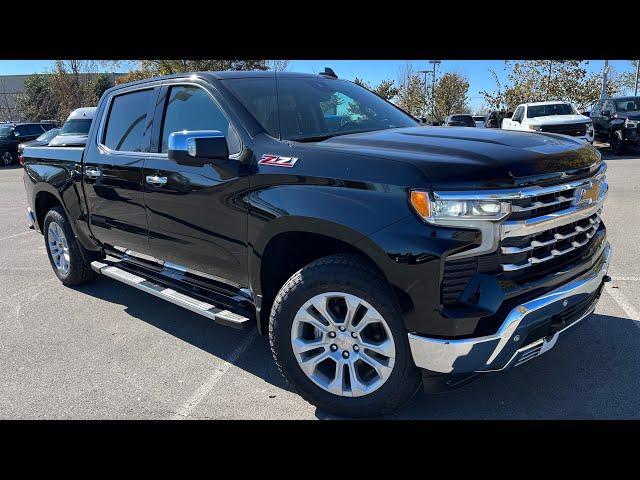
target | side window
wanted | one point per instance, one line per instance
(192, 108)
(22, 130)
(596, 109)
(608, 105)
(517, 116)
(127, 126)
(35, 129)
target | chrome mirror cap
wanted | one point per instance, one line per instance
(185, 141)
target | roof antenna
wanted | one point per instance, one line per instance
(328, 72)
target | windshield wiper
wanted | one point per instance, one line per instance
(319, 138)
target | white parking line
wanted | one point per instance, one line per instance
(626, 279)
(185, 410)
(622, 301)
(16, 235)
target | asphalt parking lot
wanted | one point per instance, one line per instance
(108, 351)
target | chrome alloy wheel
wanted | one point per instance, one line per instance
(7, 158)
(58, 247)
(343, 344)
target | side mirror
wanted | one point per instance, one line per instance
(197, 146)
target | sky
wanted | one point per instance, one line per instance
(372, 71)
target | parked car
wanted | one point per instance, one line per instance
(551, 117)
(459, 121)
(42, 140)
(375, 255)
(494, 119)
(480, 120)
(12, 134)
(617, 121)
(75, 129)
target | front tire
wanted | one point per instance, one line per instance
(63, 250)
(339, 340)
(617, 143)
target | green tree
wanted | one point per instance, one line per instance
(628, 78)
(101, 84)
(385, 89)
(411, 91)
(451, 95)
(37, 101)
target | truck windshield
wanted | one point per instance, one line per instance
(552, 109)
(628, 105)
(5, 130)
(309, 109)
(77, 126)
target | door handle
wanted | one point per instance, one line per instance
(156, 180)
(92, 172)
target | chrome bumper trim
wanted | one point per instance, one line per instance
(495, 352)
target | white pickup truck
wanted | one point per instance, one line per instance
(553, 117)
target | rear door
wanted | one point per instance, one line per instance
(197, 218)
(113, 170)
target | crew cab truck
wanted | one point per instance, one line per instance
(375, 253)
(617, 121)
(552, 117)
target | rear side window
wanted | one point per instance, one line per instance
(29, 129)
(192, 108)
(127, 125)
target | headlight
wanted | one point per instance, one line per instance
(433, 210)
(537, 128)
(630, 123)
(588, 125)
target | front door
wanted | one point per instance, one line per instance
(196, 215)
(113, 165)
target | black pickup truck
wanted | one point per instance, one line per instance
(376, 254)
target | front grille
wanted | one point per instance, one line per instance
(572, 129)
(523, 252)
(531, 207)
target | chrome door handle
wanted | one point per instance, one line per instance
(156, 180)
(92, 172)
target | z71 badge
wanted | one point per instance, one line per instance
(277, 161)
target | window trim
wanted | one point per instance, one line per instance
(181, 83)
(107, 113)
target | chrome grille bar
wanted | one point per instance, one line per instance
(536, 205)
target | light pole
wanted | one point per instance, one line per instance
(605, 71)
(435, 64)
(637, 72)
(424, 111)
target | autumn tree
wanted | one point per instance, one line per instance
(543, 80)
(153, 68)
(628, 78)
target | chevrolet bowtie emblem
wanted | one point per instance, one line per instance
(588, 194)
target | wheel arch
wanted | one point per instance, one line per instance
(293, 244)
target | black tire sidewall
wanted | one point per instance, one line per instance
(617, 143)
(403, 381)
(78, 272)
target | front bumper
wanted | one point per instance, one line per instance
(513, 344)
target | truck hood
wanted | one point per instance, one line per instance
(635, 115)
(558, 119)
(467, 158)
(68, 141)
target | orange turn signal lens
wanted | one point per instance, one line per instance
(420, 202)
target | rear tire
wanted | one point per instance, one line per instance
(376, 377)
(617, 143)
(63, 250)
